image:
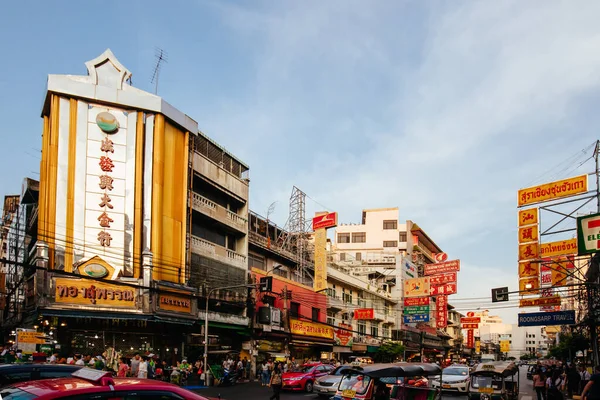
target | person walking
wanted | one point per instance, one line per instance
(143, 369)
(539, 383)
(591, 391)
(553, 385)
(276, 382)
(573, 380)
(135, 365)
(265, 373)
(123, 368)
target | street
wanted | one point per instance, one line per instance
(255, 391)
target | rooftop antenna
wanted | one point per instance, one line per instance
(161, 56)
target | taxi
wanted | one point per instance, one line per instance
(92, 384)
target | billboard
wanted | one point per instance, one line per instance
(588, 234)
(547, 318)
(448, 288)
(410, 319)
(528, 216)
(443, 278)
(324, 221)
(441, 312)
(416, 310)
(320, 281)
(559, 248)
(417, 287)
(364, 313)
(442, 267)
(540, 301)
(553, 190)
(416, 301)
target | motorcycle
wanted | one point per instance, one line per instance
(229, 378)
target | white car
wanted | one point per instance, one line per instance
(326, 386)
(455, 378)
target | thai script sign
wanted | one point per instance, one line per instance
(588, 234)
(442, 267)
(314, 329)
(540, 301)
(547, 318)
(175, 303)
(528, 216)
(364, 313)
(443, 278)
(448, 288)
(560, 248)
(30, 336)
(416, 310)
(91, 292)
(409, 319)
(554, 190)
(416, 301)
(417, 287)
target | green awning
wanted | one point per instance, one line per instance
(372, 349)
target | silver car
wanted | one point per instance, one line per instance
(327, 385)
(454, 378)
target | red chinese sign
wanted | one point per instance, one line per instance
(470, 338)
(470, 320)
(106, 183)
(343, 335)
(364, 313)
(448, 288)
(328, 220)
(442, 279)
(441, 312)
(443, 267)
(470, 326)
(416, 301)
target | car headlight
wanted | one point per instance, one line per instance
(296, 378)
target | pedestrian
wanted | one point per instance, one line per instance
(135, 365)
(265, 373)
(591, 391)
(276, 382)
(143, 369)
(54, 358)
(553, 385)
(539, 383)
(585, 377)
(123, 368)
(78, 359)
(573, 380)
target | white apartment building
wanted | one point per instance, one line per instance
(531, 340)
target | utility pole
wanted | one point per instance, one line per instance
(593, 286)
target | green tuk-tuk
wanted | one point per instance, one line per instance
(495, 380)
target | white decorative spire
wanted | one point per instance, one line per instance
(106, 70)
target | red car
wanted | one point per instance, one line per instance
(92, 384)
(306, 377)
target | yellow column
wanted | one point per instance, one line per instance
(138, 224)
(158, 167)
(50, 207)
(71, 185)
(184, 210)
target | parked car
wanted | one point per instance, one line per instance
(14, 373)
(326, 386)
(306, 377)
(87, 383)
(454, 378)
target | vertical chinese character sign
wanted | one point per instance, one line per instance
(529, 267)
(109, 125)
(320, 224)
(442, 311)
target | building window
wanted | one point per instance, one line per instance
(385, 331)
(358, 257)
(390, 224)
(362, 328)
(330, 318)
(347, 298)
(315, 314)
(343, 238)
(295, 309)
(256, 261)
(359, 237)
(390, 243)
(402, 237)
(374, 329)
(345, 317)
(331, 292)
(342, 256)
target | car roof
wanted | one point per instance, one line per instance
(457, 366)
(400, 369)
(21, 366)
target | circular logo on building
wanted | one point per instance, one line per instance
(107, 122)
(95, 270)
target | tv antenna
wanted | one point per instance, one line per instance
(161, 56)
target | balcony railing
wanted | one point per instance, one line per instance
(219, 253)
(424, 250)
(335, 303)
(262, 241)
(220, 213)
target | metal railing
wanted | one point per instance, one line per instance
(217, 252)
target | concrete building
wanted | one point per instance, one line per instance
(530, 340)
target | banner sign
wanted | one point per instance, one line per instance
(470, 320)
(470, 326)
(320, 280)
(540, 301)
(504, 346)
(409, 319)
(477, 346)
(528, 216)
(364, 313)
(560, 248)
(314, 329)
(529, 269)
(441, 311)
(443, 278)
(327, 220)
(528, 234)
(416, 310)
(554, 190)
(547, 318)
(417, 287)
(416, 301)
(449, 288)
(343, 335)
(442, 267)
(529, 286)
(529, 251)
(470, 338)
(588, 234)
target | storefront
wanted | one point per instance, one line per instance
(310, 340)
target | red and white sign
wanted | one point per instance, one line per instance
(546, 277)
(448, 277)
(416, 301)
(328, 220)
(546, 294)
(470, 338)
(442, 267)
(470, 320)
(441, 312)
(448, 288)
(470, 326)
(343, 335)
(440, 257)
(364, 313)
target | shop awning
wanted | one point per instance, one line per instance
(170, 320)
(307, 343)
(89, 314)
(372, 349)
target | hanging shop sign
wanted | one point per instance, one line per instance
(470, 326)
(314, 329)
(364, 313)
(416, 310)
(410, 319)
(343, 335)
(559, 248)
(442, 279)
(87, 292)
(529, 285)
(529, 251)
(441, 311)
(528, 216)
(529, 269)
(553, 190)
(470, 338)
(504, 346)
(170, 302)
(588, 234)
(528, 234)
(470, 320)
(327, 220)
(448, 288)
(320, 280)
(547, 318)
(540, 301)
(416, 301)
(442, 267)
(417, 287)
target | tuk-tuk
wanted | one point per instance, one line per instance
(406, 381)
(495, 380)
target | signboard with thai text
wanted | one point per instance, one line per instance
(416, 301)
(443, 278)
(417, 287)
(553, 190)
(559, 248)
(176, 303)
(470, 320)
(540, 301)
(364, 313)
(448, 288)
(89, 292)
(588, 234)
(547, 318)
(314, 329)
(442, 267)
(409, 319)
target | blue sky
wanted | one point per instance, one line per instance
(443, 109)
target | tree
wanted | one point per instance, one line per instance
(388, 352)
(568, 345)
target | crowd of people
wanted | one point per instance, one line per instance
(551, 382)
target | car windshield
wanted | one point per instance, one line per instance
(342, 370)
(486, 381)
(456, 371)
(308, 368)
(356, 383)
(9, 393)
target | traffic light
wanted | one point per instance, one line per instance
(266, 284)
(499, 294)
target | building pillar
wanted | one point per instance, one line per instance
(146, 281)
(41, 284)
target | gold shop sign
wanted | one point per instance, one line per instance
(175, 303)
(88, 292)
